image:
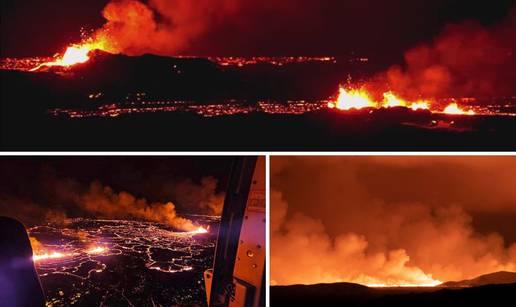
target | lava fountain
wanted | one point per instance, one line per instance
(454, 109)
(76, 53)
(359, 98)
(352, 99)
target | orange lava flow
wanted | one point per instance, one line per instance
(199, 230)
(421, 280)
(429, 284)
(76, 53)
(352, 99)
(52, 255)
(454, 109)
(56, 255)
(359, 98)
(96, 250)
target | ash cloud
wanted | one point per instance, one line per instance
(388, 220)
(466, 60)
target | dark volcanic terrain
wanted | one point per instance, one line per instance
(499, 293)
(139, 263)
(115, 102)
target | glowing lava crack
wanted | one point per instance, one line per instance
(90, 258)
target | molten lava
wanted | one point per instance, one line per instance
(390, 101)
(96, 250)
(57, 255)
(78, 53)
(199, 230)
(52, 255)
(432, 283)
(454, 109)
(360, 98)
(420, 105)
(73, 55)
(352, 99)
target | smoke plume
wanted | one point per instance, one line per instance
(390, 220)
(37, 246)
(102, 201)
(96, 200)
(202, 197)
(53, 199)
(160, 26)
(465, 60)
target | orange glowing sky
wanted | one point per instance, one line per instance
(391, 221)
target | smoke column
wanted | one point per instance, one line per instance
(160, 26)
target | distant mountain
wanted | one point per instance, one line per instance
(497, 278)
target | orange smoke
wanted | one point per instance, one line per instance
(104, 202)
(465, 60)
(160, 26)
(387, 221)
(133, 27)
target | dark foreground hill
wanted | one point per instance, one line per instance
(346, 294)
(502, 277)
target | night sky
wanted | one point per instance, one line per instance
(30, 187)
(294, 27)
